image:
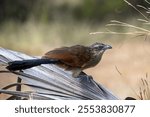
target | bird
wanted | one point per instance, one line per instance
(74, 58)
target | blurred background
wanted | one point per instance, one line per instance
(37, 26)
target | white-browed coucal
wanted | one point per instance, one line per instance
(75, 58)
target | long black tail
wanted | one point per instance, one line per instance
(26, 64)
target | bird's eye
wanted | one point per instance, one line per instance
(98, 48)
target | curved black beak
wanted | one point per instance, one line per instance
(107, 47)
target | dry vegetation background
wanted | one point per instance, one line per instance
(121, 68)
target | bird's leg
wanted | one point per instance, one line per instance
(76, 72)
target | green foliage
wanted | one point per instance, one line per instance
(98, 9)
(47, 10)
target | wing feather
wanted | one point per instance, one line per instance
(73, 56)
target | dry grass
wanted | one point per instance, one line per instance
(138, 63)
(144, 93)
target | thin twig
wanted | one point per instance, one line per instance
(119, 23)
(118, 70)
(140, 6)
(143, 20)
(147, 1)
(136, 9)
(117, 33)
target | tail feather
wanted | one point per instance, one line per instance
(26, 64)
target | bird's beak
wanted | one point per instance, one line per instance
(107, 47)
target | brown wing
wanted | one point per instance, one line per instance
(73, 56)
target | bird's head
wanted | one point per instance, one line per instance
(99, 48)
